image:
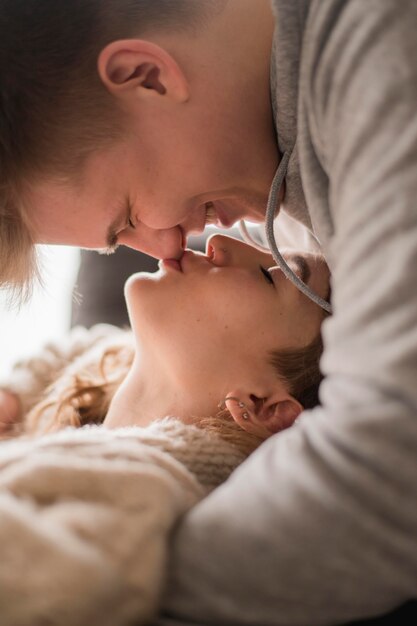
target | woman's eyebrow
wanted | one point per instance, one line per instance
(304, 268)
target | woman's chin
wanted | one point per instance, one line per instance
(139, 284)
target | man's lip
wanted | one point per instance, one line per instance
(222, 220)
(225, 221)
(183, 239)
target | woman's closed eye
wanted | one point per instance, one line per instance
(267, 274)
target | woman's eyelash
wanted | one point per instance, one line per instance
(267, 275)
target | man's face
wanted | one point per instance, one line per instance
(182, 163)
(151, 194)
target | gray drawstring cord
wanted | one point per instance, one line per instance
(269, 229)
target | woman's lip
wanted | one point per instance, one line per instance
(187, 253)
(191, 260)
(171, 264)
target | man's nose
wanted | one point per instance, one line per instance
(162, 244)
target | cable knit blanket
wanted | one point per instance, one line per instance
(85, 518)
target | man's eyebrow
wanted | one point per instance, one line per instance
(112, 236)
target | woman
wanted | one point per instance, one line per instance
(94, 507)
(215, 329)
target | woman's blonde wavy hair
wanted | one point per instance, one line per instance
(83, 397)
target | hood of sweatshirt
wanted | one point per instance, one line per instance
(285, 72)
(291, 19)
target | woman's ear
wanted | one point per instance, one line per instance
(138, 68)
(263, 416)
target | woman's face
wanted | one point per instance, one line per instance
(211, 320)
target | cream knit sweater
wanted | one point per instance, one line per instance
(85, 518)
(86, 515)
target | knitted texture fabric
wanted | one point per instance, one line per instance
(206, 455)
(86, 515)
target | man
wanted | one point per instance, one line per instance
(136, 123)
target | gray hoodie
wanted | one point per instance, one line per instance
(319, 526)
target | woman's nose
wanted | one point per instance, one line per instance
(218, 249)
(225, 250)
(161, 244)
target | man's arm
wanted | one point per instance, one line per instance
(319, 525)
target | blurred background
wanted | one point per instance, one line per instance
(47, 315)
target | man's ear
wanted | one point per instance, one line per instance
(140, 68)
(263, 416)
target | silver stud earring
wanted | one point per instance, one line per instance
(241, 405)
(222, 405)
